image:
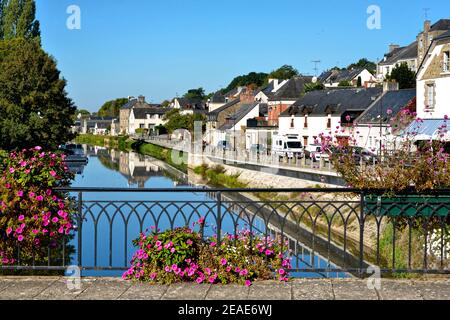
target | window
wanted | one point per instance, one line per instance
(329, 123)
(306, 122)
(430, 95)
(446, 66)
(292, 123)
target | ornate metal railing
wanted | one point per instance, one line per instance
(331, 232)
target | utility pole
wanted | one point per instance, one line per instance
(316, 66)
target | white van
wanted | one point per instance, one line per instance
(287, 146)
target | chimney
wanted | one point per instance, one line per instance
(247, 96)
(427, 26)
(392, 47)
(130, 98)
(141, 99)
(390, 86)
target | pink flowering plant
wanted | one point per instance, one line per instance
(401, 163)
(33, 216)
(182, 255)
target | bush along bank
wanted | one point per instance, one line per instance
(216, 176)
(126, 144)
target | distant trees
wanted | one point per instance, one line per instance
(176, 120)
(313, 87)
(112, 108)
(283, 73)
(195, 94)
(34, 107)
(345, 83)
(257, 79)
(404, 76)
(18, 19)
(365, 64)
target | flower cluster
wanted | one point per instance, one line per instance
(32, 213)
(182, 255)
(401, 161)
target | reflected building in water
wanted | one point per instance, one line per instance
(136, 168)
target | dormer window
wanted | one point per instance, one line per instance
(446, 65)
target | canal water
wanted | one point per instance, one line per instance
(108, 232)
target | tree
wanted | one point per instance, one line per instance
(83, 112)
(176, 120)
(258, 79)
(18, 19)
(365, 64)
(165, 104)
(112, 108)
(34, 107)
(195, 94)
(283, 73)
(404, 76)
(313, 87)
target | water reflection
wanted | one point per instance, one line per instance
(108, 231)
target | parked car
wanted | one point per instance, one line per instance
(315, 153)
(223, 145)
(359, 154)
(287, 146)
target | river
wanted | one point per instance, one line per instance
(112, 244)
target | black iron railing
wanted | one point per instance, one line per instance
(331, 232)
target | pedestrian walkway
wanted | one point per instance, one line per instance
(57, 288)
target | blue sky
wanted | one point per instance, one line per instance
(159, 48)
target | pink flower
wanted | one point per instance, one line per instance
(20, 194)
(53, 173)
(172, 250)
(200, 280)
(389, 111)
(248, 283)
(212, 279)
(40, 198)
(213, 244)
(12, 170)
(243, 272)
(174, 267)
(189, 242)
(55, 220)
(23, 164)
(38, 148)
(8, 231)
(228, 269)
(20, 238)
(158, 244)
(35, 231)
(153, 276)
(281, 272)
(21, 217)
(208, 271)
(237, 270)
(223, 261)
(167, 269)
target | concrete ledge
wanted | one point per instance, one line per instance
(56, 288)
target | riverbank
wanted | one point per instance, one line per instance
(126, 144)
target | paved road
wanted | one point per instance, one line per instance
(55, 288)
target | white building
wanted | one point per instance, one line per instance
(433, 80)
(326, 112)
(147, 119)
(396, 56)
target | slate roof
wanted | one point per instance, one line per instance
(238, 116)
(390, 100)
(218, 98)
(403, 53)
(443, 36)
(440, 25)
(336, 101)
(212, 116)
(292, 90)
(135, 103)
(141, 113)
(191, 104)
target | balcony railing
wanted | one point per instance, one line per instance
(331, 232)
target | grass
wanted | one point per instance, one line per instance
(216, 176)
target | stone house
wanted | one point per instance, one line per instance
(285, 97)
